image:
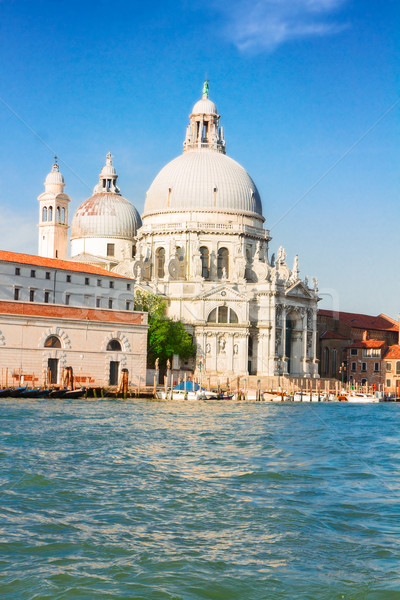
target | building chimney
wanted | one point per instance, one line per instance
(365, 335)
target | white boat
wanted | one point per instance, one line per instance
(186, 391)
(361, 398)
(307, 397)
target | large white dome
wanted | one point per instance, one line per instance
(105, 215)
(203, 180)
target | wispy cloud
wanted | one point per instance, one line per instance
(263, 25)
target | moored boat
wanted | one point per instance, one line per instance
(362, 398)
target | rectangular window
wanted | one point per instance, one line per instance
(128, 286)
(388, 366)
(388, 383)
(353, 366)
(16, 294)
(376, 366)
(99, 283)
(97, 302)
(127, 305)
(87, 280)
(47, 274)
(46, 296)
(363, 366)
(31, 295)
(33, 273)
(110, 303)
(67, 297)
(87, 300)
(17, 270)
(111, 284)
(68, 278)
(110, 249)
(353, 351)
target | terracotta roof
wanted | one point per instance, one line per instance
(59, 311)
(332, 335)
(393, 352)
(381, 322)
(368, 344)
(55, 263)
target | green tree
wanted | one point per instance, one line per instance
(166, 337)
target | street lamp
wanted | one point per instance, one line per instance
(342, 371)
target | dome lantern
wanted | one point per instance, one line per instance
(203, 131)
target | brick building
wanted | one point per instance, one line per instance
(339, 331)
(56, 313)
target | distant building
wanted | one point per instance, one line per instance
(364, 361)
(55, 313)
(338, 331)
(391, 370)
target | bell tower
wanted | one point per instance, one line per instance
(53, 216)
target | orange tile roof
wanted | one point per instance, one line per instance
(393, 352)
(55, 263)
(332, 335)
(381, 322)
(58, 311)
(368, 344)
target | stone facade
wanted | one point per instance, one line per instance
(35, 338)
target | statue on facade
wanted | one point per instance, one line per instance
(281, 257)
(206, 88)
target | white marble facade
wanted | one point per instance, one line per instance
(202, 246)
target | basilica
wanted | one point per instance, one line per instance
(200, 244)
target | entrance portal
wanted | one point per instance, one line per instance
(114, 371)
(52, 365)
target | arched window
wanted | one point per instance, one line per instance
(52, 342)
(114, 346)
(398, 367)
(160, 262)
(250, 346)
(326, 361)
(44, 214)
(50, 213)
(133, 251)
(222, 314)
(63, 216)
(58, 215)
(223, 263)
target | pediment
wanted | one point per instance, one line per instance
(221, 293)
(298, 290)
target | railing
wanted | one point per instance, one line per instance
(228, 227)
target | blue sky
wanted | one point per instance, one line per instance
(300, 84)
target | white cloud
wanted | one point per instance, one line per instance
(263, 25)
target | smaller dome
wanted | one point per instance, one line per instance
(108, 170)
(54, 177)
(106, 215)
(204, 107)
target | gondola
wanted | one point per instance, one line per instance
(6, 392)
(71, 394)
(16, 392)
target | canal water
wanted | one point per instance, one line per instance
(144, 499)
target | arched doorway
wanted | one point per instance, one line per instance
(52, 363)
(114, 346)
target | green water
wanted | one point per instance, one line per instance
(143, 499)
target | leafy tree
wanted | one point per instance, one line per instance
(166, 337)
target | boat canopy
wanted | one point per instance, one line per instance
(188, 386)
